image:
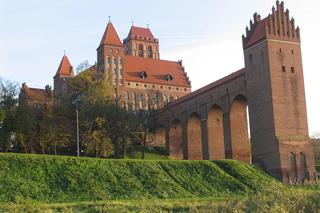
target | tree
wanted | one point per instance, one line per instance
(8, 106)
(84, 65)
(54, 133)
(96, 141)
(145, 122)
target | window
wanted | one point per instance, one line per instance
(140, 100)
(126, 99)
(169, 77)
(110, 50)
(280, 50)
(115, 71)
(292, 52)
(121, 72)
(143, 75)
(283, 69)
(149, 52)
(155, 101)
(292, 69)
(141, 53)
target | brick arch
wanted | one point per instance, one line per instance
(194, 137)
(175, 140)
(240, 143)
(215, 133)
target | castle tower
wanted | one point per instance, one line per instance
(65, 70)
(110, 55)
(141, 42)
(277, 105)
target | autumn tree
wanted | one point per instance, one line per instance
(8, 107)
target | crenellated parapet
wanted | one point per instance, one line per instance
(278, 26)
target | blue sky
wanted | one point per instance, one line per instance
(205, 34)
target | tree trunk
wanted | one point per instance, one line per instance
(144, 143)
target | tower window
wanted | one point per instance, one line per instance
(280, 50)
(141, 54)
(292, 69)
(283, 69)
(292, 52)
(149, 52)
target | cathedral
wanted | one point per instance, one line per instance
(139, 78)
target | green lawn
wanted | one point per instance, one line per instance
(70, 184)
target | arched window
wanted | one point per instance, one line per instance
(149, 51)
(155, 101)
(146, 96)
(121, 76)
(115, 71)
(126, 100)
(141, 53)
(140, 100)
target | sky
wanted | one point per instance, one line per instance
(205, 34)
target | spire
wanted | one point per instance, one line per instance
(110, 36)
(65, 67)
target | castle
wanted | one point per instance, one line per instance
(139, 77)
(212, 122)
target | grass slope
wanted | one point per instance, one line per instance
(70, 179)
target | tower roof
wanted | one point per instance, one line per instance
(65, 67)
(277, 25)
(110, 36)
(140, 31)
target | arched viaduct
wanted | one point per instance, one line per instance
(265, 100)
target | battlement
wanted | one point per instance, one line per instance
(276, 25)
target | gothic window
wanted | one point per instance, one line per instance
(146, 96)
(115, 71)
(121, 72)
(165, 100)
(141, 53)
(155, 101)
(149, 52)
(126, 99)
(140, 100)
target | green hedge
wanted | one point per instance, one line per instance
(70, 179)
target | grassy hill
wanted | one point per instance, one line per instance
(69, 179)
(63, 183)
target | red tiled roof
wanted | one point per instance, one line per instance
(140, 31)
(156, 70)
(258, 34)
(110, 36)
(204, 89)
(40, 95)
(65, 67)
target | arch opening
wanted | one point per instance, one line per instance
(175, 140)
(194, 137)
(240, 141)
(216, 133)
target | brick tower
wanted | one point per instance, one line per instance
(110, 54)
(277, 105)
(141, 42)
(65, 70)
